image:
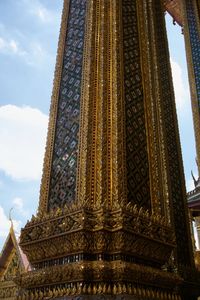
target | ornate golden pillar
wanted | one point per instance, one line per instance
(192, 42)
(112, 218)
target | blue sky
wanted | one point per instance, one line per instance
(28, 42)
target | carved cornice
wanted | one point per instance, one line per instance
(99, 271)
(125, 230)
(100, 291)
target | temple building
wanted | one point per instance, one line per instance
(112, 221)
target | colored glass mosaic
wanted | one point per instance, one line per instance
(136, 145)
(195, 44)
(64, 163)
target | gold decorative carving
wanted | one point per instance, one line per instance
(124, 230)
(12, 268)
(101, 177)
(153, 110)
(99, 271)
(8, 289)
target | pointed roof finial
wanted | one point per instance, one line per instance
(10, 217)
(194, 179)
(197, 161)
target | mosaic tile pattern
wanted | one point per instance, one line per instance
(195, 44)
(136, 146)
(63, 173)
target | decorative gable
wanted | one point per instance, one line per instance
(12, 267)
(12, 262)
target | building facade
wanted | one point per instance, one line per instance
(112, 221)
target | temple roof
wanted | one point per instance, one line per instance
(174, 8)
(194, 201)
(10, 244)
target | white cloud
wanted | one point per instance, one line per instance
(35, 55)
(14, 46)
(32, 49)
(18, 202)
(5, 224)
(2, 43)
(19, 205)
(22, 135)
(43, 14)
(11, 47)
(181, 87)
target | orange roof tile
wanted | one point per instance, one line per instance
(174, 8)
